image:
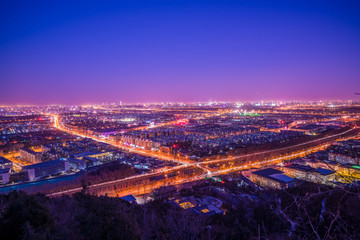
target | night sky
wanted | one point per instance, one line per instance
(154, 51)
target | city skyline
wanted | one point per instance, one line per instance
(210, 102)
(179, 51)
(180, 119)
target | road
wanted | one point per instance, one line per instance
(203, 165)
(166, 157)
(279, 149)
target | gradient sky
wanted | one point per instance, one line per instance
(73, 52)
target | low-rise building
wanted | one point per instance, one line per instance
(30, 155)
(348, 170)
(272, 178)
(323, 175)
(75, 163)
(129, 198)
(91, 162)
(23, 175)
(5, 163)
(46, 148)
(307, 173)
(343, 158)
(5, 175)
(47, 168)
(204, 206)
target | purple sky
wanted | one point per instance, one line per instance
(153, 51)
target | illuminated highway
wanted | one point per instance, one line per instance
(187, 162)
(130, 149)
(147, 189)
(202, 165)
(278, 149)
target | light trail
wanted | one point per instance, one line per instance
(198, 164)
(147, 153)
(278, 149)
(130, 149)
(117, 181)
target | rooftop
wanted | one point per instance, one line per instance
(129, 198)
(4, 160)
(281, 178)
(267, 171)
(299, 167)
(44, 164)
(324, 171)
(274, 174)
(29, 151)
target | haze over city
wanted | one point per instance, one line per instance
(158, 51)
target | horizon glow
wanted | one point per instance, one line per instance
(178, 51)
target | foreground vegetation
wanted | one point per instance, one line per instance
(306, 212)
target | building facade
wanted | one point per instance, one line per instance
(30, 155)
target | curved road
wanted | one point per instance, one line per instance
(197, 164)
